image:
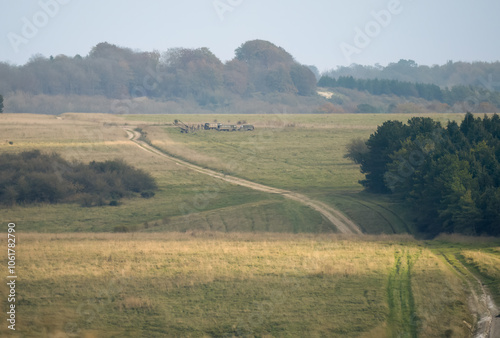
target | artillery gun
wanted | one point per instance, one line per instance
(184, 127)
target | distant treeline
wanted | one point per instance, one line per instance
(179, 74)
(449, 176)
(477, 74)
(33, 177)
(429, 92)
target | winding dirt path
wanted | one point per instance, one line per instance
(481, 305)
(340, 221)
(488, 325)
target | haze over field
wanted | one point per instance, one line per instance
(323, 33)
(229, 168)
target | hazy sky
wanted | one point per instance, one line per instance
(325, 33)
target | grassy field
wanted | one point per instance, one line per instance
(207, 258)
(483, 263)
(296, 152)
(186, 200)
(302, 153)
(200, 284)
(486, 265)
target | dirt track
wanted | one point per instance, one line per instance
(495, 327)
(481, 304)
(341, 222)
(489, 322)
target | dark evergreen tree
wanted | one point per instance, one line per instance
(384, 142)
(449, 176)
(467, 95)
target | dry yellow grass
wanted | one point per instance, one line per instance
(100, 137)
(487, 266)
(207, 283)
(211, 284)
(440, 299)
(98, 254)
(490, 263)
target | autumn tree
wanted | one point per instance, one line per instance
(304, 79)
(185, 76)
(273, 69)
(236, 76)
(263, 53)
(192, 73)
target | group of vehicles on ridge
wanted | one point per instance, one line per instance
(214, 126)
(228, 127)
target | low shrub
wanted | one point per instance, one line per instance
(32, 177)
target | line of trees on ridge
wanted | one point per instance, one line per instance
(477, 74)
(191, 74)
(429, 92)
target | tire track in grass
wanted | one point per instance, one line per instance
(402, 321)
(483, 307)
(372, 205)
(365, 204)
(407, 228)
(340, 221)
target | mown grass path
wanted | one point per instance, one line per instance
(339, 220)
(403, 321)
